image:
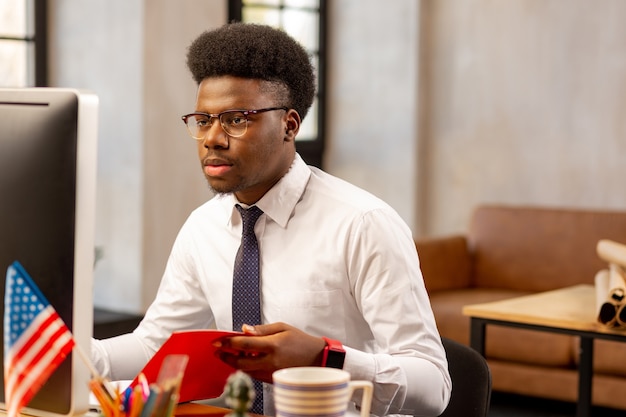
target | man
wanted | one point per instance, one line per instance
(335, 261)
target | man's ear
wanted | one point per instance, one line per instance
(292, 125)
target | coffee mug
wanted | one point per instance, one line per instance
(315, 391)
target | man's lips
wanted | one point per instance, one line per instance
(216, 167)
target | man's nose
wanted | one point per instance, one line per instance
(215, 136)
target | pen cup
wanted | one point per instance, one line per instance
(315, 391)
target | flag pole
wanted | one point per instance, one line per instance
(94, 372)
(85, 359)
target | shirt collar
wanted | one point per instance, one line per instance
(280, 201)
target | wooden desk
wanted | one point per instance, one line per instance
(570, 310)
(199, 410)
(191, 409)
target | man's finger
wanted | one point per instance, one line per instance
(264, 329)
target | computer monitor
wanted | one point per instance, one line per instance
(47, 220)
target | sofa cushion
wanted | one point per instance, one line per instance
(448, 309)
(513, 344)
(555, 383)
(529, 347)
(609, 357)
(537, 381)
(446, 264)
(539, 249)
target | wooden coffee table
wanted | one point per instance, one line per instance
(570, 310)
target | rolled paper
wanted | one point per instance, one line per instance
(617, 276)
(612, 252)
(608, 314)
(602, 287)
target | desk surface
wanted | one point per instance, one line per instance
(199, 410)
(571, 308)
(191, 409)
(182, 410)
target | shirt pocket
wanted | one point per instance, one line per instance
(320, 313)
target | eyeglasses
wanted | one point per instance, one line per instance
(234, 122)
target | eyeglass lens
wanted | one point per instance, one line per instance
(234, 124)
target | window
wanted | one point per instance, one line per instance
(23, 50)
(305, 20)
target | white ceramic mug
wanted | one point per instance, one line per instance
(315, 391)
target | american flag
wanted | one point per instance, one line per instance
(35, 339)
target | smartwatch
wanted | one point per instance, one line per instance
(334, 354)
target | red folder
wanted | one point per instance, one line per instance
(205, 375)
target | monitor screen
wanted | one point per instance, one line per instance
(47, 220)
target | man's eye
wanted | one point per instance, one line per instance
(202, 122)
(237, 120)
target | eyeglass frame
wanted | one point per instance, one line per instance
(218, 116)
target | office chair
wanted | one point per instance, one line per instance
(471, 381)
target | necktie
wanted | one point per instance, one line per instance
(246, 293)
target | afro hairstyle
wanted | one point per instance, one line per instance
(257, 52)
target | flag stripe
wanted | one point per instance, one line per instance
(36, 341)
(43, 355)
(41, 321)
(37, 345)
(39, 372)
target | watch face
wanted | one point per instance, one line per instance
(335, 359)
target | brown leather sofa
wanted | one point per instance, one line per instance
(510, 251)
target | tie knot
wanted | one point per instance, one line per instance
(249, 218)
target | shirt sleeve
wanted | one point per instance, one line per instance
(409, 367)
(403, 384)
(119, 358)
(180, 304)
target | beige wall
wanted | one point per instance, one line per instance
(174, 184)
(373, 98)
(524, 102)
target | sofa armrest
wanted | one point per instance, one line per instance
(446, 263)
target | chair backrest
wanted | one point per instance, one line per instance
(471, 381)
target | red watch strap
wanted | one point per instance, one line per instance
(331, 344)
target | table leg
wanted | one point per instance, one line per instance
(477, 335)
(585, 377)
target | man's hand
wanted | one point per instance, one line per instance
(269, 347)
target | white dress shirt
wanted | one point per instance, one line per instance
(335, 261)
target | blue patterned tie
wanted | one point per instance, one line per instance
(246, 293)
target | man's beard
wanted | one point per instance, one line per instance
(227, 188)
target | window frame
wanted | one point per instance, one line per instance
(312, 151)
(39, 40)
